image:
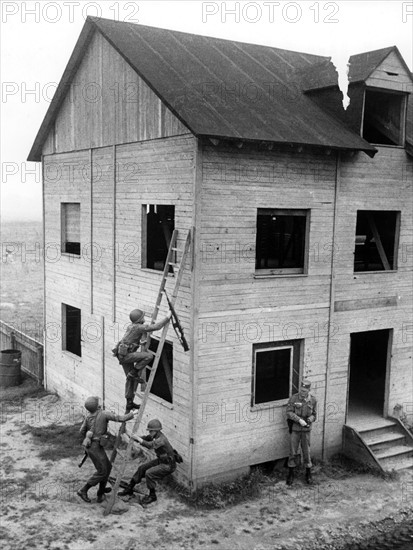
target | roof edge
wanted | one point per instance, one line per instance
(370, 150)
(90, 27)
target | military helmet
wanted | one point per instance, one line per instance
(92, 403)
(136, 315)
(154, 425)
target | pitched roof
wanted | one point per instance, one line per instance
(217, 88)
(363, 64)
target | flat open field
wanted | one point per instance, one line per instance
(21, 274)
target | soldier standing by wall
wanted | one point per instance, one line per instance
(302, 411)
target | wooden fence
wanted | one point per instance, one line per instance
(32, 350)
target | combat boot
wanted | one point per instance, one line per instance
(147, 499)
(129, 489)
(290, 477)
(308, 476)
(82, 493)
(100, 496)
(131, 405)
(102, 491)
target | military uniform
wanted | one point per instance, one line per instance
(133, 361)
(301, 409)
(156, 469)
(306, 409)
(96, 424)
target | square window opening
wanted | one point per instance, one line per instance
(383, 121)
(162, 385)
(70, 228)
(376, 244)
(71, 329)
(158, 223)
(276, 371)
(282, 241)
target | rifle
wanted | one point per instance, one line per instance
(177, 325)
(83, 460)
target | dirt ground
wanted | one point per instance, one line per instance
(40, 509)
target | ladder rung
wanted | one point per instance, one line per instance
(174, 264)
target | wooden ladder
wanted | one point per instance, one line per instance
(126, 455)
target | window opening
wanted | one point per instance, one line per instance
(383, 117)
(376, 240)
(281, 240)
(163, 382)
(159, 223)
(276, 369)
(70, 219)
(72, 329)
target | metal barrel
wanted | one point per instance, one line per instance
(10, 368)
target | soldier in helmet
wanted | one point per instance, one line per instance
(154, 470)
(95, 426)
(133, 361)
(302, 411)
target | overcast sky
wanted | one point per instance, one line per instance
(37, 39)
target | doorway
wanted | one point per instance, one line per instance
(368, 367)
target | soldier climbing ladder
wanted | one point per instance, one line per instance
(126, 455)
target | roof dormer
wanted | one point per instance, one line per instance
(379, 86)
(387, 83)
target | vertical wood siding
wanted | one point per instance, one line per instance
(67, 179)
(107, 104)
(155, 172)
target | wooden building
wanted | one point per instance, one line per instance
(301, 222)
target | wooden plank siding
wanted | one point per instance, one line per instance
(108, 103)
(31, 350)
(398, 79)
(115, 148)
(382, 183)
(237, 310)
(162, 172)
(111, 278)
(234, 309)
